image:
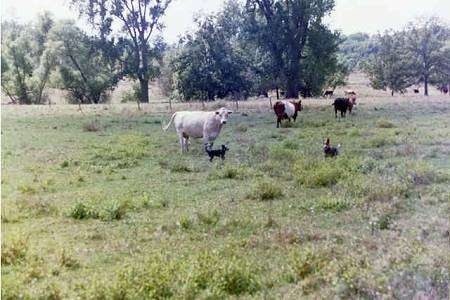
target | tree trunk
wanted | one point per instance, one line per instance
(425, 83)
(144, 90)
(392, 93)
(292, 87)
(278, 93)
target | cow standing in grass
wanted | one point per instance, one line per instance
(198, 124)
(287, 110)
(342, 104)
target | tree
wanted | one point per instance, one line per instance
(209, 64)
(26, 65)
(390, 67)
(320, 66)
(139, 20)
(83, 68)
(356, 49)
(283, 28)
(426, 40)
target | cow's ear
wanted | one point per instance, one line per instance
(217, 112)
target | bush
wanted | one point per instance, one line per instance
(331, 203)
(209, 218)
(152, 280)
(230, 276)
(14, 251)
(92, 126)
(79, 211)
(266, 190)
(383, 123)
(307, 262)
(318, 173)
(113, 210)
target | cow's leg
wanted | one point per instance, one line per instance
(294, 116)
(278, 122)
(335, 112)
(181, 138)
(186, 141)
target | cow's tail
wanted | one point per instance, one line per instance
(164, 128)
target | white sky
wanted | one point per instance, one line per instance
(349, 16)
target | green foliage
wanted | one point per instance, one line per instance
(266, 190)
(383, 123)
(137, 47)
(84, 70)
(272, 24)
(26, 60)
(233, 276)
(320, 173)
(356, 49)
(208, 66)
(14, 251)
(390, 67)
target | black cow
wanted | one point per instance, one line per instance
(342, 104)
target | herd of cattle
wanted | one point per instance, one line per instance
(208, 124)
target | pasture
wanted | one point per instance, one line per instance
(101, 205)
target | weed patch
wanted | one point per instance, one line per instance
(265, 190)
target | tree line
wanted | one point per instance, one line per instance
(247, 49)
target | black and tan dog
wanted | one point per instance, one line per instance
(330, 151)
(216, 152)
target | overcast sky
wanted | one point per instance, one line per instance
(349, 16)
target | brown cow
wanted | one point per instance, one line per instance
(287, 110)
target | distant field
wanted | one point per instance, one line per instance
(101, 205)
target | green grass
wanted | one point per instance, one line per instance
(105, 206)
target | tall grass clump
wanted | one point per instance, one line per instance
(229, 171)
(153, 279)
(14, 251)
(221, 277)
(383, 123)
(123, 152)
(265, 190)
(320, 172)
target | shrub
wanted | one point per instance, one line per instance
(67, 261)
(79, 211)
(331, 203)
(152, 280)
(92, 126)
(209, 218)
(14, 251)
(241, 128)
(180, 166)
(266, 190)
(113, 210)
(306, 262)
(383, 123)
(230, 276)
(228, 171)
(185, 222)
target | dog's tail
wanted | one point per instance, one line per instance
(164, 128)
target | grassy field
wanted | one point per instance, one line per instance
(101, 205)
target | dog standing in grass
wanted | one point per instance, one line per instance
(218, 152)
(328, 150)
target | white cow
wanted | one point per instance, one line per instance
(198, 124)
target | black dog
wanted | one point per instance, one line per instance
(330, 151)
(218, 152)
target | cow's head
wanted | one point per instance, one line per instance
(223, 114)
(298, 105)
